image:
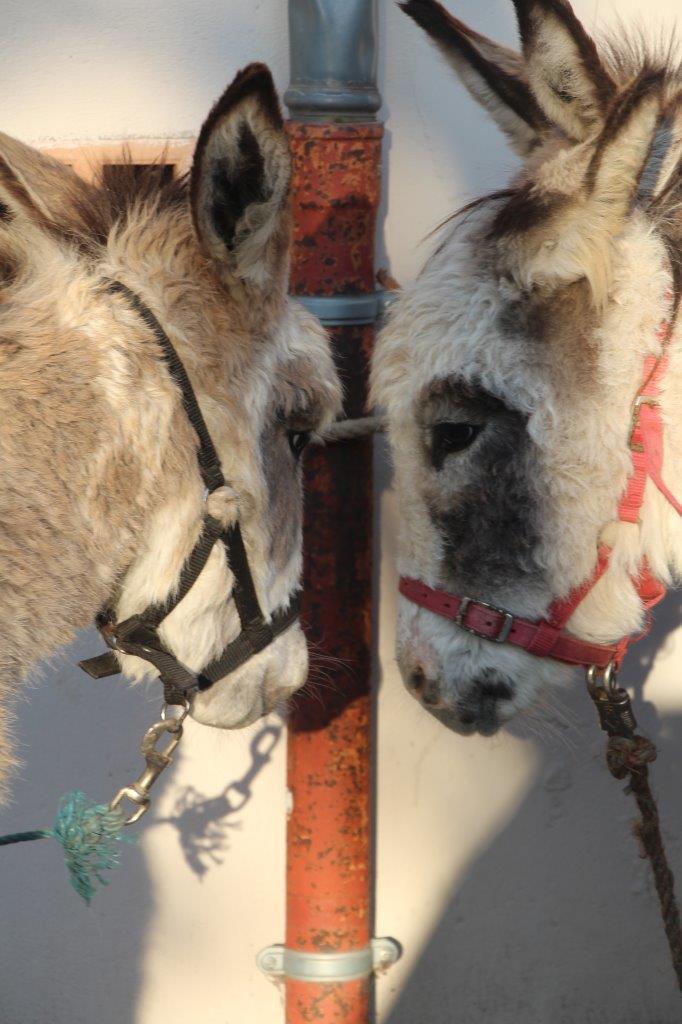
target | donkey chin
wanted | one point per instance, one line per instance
(264, 683)
(467, 684)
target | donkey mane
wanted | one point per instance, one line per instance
(118, 193)
(120, 189)
(629, 52)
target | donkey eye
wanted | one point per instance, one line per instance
(298, 439)
(447, 438)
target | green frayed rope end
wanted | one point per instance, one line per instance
(89, 834)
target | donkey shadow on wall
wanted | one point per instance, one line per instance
(557, 920)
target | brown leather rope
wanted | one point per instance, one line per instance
(630, 757)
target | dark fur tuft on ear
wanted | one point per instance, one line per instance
(493, 74)
(240, 179)
(566, 72)
(648, 84)
(253, 80)
(448, 30)
(589, 54)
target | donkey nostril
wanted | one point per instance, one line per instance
(481, 704)
(493, 691)
(417, 679)
(430, 695)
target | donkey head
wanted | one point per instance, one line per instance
(509, 368)
(101, 499)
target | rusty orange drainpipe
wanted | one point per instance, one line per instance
(336, 190)
(329, 954)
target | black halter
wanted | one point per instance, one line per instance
(139, 635)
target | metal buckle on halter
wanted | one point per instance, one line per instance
(505, 629)
(135, 637)
(117, 634)
(612, 702)
(634, 423)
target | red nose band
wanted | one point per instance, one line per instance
(543, 638)
(548, 638)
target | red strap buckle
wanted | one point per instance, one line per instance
(505, 629)
(651, 400)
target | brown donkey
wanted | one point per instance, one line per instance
(102, 500)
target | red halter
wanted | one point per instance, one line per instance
(547, 638)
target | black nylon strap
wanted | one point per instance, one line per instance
(138, 635)
(102, 666)
(209, 463)
(212, 530)
(244, 592)
(249, 642)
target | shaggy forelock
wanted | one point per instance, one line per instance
(122, 190)
(628, 51)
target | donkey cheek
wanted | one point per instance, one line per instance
(490, 536)
(284, 512)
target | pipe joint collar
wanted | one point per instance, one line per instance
(347, 310)
(278, 962)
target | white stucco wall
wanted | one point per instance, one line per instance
(504, 867)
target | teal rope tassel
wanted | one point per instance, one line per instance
(89, 835)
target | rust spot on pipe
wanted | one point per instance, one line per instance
(343, 1003)
(335, 199)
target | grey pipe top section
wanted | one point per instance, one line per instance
(333, 53)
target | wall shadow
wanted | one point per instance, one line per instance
(203, 823)
(59, 959)
(74, 962)
(557, 921)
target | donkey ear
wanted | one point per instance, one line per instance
(36, 187)
(565, 71)
(239, 184)
(625, 144)
(568, 236)
(494, 75)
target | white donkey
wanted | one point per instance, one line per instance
(157, 387)
(532, 377)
